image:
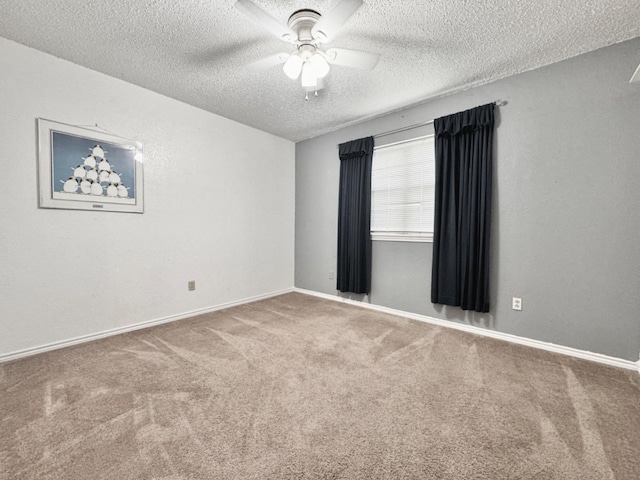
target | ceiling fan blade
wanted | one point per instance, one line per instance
(352, 58)
(270, 61)
(283, 32)
(331, 22)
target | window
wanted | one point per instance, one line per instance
(402, 190)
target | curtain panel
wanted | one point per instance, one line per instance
(354, 216)
(462, 217)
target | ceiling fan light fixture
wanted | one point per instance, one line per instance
(309, 78)
(293, 66)
(320, 65)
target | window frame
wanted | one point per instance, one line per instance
(414, 237)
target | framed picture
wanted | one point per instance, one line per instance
(82, 169)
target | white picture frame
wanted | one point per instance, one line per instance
(83, 169)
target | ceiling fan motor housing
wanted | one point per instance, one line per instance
(302, 22)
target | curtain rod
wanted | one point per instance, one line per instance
(499, 103)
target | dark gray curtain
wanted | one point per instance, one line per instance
(354, 216)
(462, 217)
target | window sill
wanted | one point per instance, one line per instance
(402, 237)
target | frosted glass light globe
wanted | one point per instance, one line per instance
(320, 65)
(309, 78)
(293, 66)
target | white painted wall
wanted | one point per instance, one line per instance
(219, 209)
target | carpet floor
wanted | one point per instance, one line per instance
(296, 387)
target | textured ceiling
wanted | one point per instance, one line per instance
(198, 51)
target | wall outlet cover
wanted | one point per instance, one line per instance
(516, 303)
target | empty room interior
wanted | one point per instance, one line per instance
(209, 268)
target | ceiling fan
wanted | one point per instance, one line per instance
(308, 30)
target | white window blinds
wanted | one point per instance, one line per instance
(402, 188)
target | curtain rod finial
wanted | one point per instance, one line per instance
(501, 103)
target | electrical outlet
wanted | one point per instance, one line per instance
(191, 285)
(516, 303)
(331, 275)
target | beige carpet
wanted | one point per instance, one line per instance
(296, 387)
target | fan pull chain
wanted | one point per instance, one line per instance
(306, 97)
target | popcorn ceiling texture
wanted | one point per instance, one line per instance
(197, 51)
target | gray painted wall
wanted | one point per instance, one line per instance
(566, 229)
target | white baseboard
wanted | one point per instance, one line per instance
(573, 352)
(551, 347)
(149, 323)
